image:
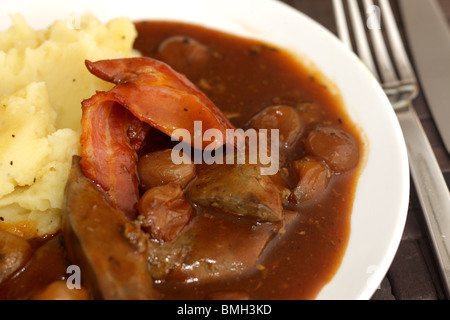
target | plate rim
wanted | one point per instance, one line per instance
(289, 13)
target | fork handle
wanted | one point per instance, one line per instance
(431, 188)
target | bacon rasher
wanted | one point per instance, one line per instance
(114, 123)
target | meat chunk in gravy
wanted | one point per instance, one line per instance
(238, 189)
(215, 247)
(185, 54)
(164, 211)
(45, 265)
(283, 118)
(95, 239)
(157, 168)
(335, 146)
(313, 179)
(14, 253)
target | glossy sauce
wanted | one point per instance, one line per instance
(243, 77)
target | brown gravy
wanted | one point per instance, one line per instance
(244, 77)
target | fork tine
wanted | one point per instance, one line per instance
(429, 181)
(398, 50)
(341, 22)
(362, 43)
(383, 59)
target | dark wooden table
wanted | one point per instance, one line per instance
(413, 274)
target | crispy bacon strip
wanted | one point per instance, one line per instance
(108, 157)
(159, 96)
(114, 123)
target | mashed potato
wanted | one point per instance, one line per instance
(42, 83)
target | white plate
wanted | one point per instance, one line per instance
(382, 194)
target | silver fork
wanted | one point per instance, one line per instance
(398, 80)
